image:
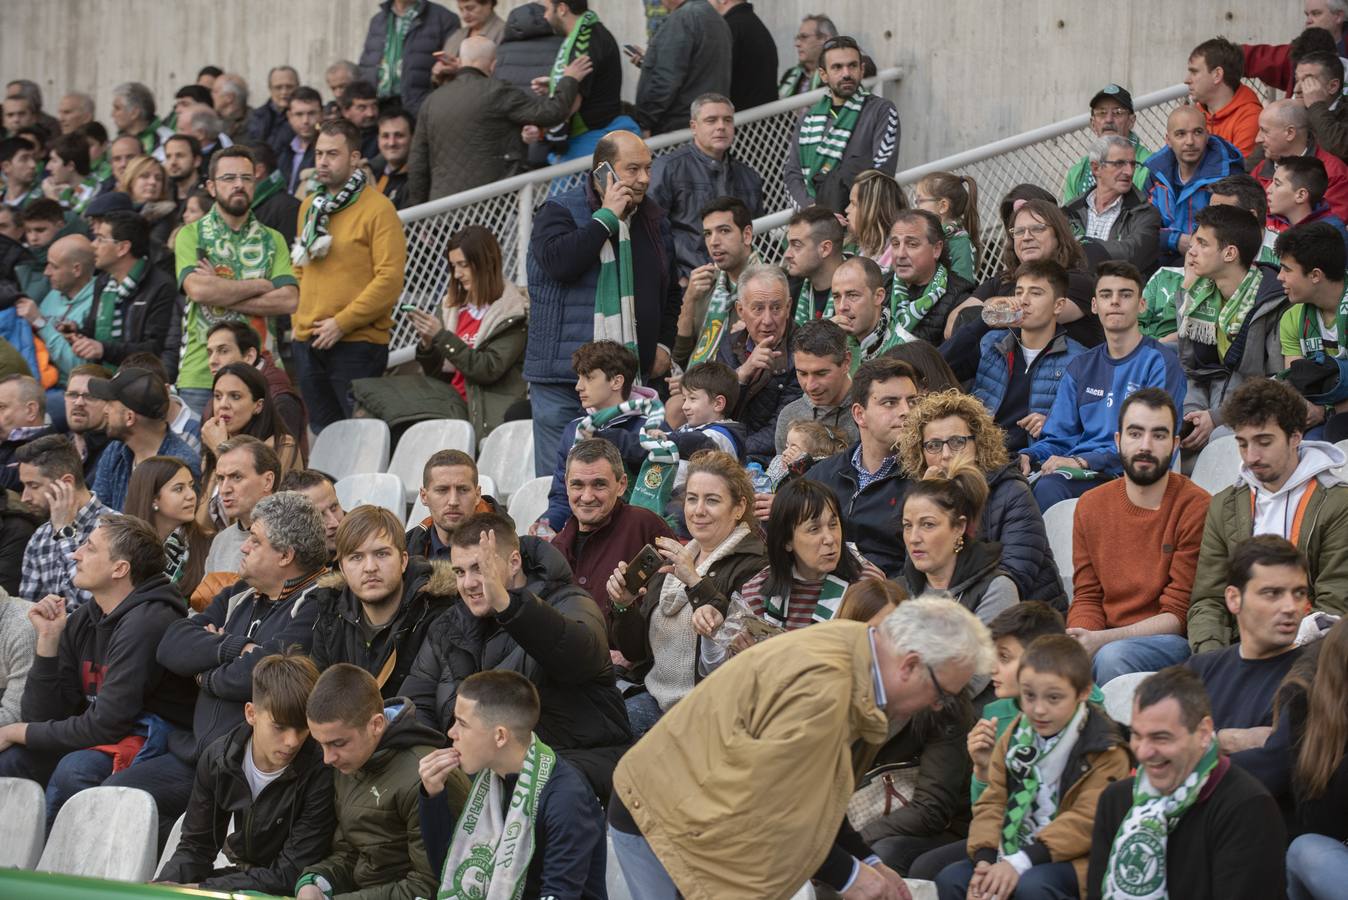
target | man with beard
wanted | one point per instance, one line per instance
(709, 299)
(848, 131)
(231, 266)
(1135, 545)
(182, 163)
(86, 415)
(137, 405)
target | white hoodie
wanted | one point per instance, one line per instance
(1275, 510)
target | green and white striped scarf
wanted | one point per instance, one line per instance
(391, 63)
(805, 304)
(489, 854)
(906, 312)
(112, 300)
(313, 241)
(776, 608)
(723, 296)
(791, 78)
(1024, 756)
(1137, 859)
(1205, 314)
(824, 136)
(77, 198)
(577, 43)
(653, 485)
(614, 309)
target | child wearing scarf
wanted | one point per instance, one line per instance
(1031, 831)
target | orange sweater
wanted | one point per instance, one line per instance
(1237, 121)
(1132, 563)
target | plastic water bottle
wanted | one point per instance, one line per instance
(1003, 312)
(762, 483)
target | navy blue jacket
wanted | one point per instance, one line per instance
(570, 853)
(564, 270)
(433, 25)
(871, 516)
(559, 507)
(994, 369)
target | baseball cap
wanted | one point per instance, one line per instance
(115, 201)
(139, 390)
(1116, 92)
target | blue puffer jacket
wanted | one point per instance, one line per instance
(1179, 203)
(433, 25)
(994, 369)
(564, 270)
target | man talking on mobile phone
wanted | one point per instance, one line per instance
(601, 266)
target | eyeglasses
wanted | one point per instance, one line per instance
(1119, 163)
(956, 443)
(79, 396)
(943, 697)
(1102, 114)
(1023, 230)
(234, 179)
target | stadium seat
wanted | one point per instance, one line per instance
(1058, 524)
(507, 457)
(487, 486)
(1119, 695)
(1217, 465)
(23, 824)
(530, 502)
(351, 447)
(171, 845)
(921, 890)
(420, 512)
(104, 832)
(379, 488)
(424, 439)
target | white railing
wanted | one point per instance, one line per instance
(507, 207)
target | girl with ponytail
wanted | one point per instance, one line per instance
(954, 198)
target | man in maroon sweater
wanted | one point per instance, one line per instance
(602, 530)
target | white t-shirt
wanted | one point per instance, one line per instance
(257, 779)
(1030, 356)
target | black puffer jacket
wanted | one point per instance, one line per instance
(18, 521)
(931, 327)
(870, 516)
(1012, 518)
(428, 593)
(553, 633)
(274, 837)
(149, 320)
(979, 583)
(434, 24)
(528, 48)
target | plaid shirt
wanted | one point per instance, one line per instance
(47, 566)
(864, 478)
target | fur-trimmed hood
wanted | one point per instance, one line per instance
(432, 576)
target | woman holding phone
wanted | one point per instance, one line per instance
(659, 627)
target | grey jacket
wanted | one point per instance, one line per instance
(466, 127)
(1330, 126)
(836, 417)
(1134, 237)
(685, 181)
(688, 57)
(874, 144)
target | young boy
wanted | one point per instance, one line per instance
(376, 750)
(269, 779)
(1312, 262)
(1031, 831)
(1019, 368)
(531, 826)
(698, 420)
(1296, 196)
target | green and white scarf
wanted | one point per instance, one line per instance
(653, 485)
(274, 183)
(614, 309)
(906, 312)
(489, 855)
(881, 338)
(112, 302)
(805, 304)
(391, 63)
(577, 43)
(775, 608)
(791, 78)
(723, 296)
(77, 198)
(1025, 758)
(824, 136)
(1205, 314)
(313, 242)
(1312, 340)
(247, 253)
(1137, 859)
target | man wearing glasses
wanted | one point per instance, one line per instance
(230, 266)
(1114, 219)
(1111, 113)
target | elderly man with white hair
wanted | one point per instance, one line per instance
(229, 96)
(133, 113)
(1115, 218)
(1285, 130)
(207, 126)
(741, 789)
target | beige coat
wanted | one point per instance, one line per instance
(741, 786)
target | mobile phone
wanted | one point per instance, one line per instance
(632, 50)
(604, 176)
(408, 307)
(1187, 428)
(642, 567)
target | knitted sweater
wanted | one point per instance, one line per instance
(1131, 563)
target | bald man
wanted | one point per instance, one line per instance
(74, 111)
(1284, 130)
(70, 269)
(1180, 174)
(860, 310)
(465, 127)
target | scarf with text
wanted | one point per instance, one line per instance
(112, 302)
(653, 485)
(577, 43)
(713, 322)
(240, 255)
(805, 304)
(906, 312)
(614, 302)
(313, 241)
(823, 142)
(1205, 314)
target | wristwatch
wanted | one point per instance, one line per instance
(67, 533)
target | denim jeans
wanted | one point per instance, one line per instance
(195, 398)
(1050, 881)
(1317, 868)
(642, 870)
(1054, 488)
(1144, 654)
(63, 776)
(555, 405)
(168, 780)
(325, 376)
(642, 713)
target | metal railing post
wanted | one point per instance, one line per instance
(525, 222)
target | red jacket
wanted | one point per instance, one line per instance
(1337, 193)
(1271, 64)
(1238, 121)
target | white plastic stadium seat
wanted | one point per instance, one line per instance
(1217, 465)
(351, 447)
(507, 457)
(104, 832)
(1119, 695)
(921, 890)
(1058, 525)
(418, 514)
(486, 486)
(23, 824)
(530, 502)
(378, 488)
(422, 441)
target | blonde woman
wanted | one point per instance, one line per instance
(874, 203)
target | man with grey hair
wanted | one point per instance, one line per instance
(811, 695)
(267, 123)
(804, 75)
(686, 180)
(269, 609)
(339, 75)
(1115, 217)
(133, 114)
(1284, 130)
(29, 90)
(74, 111)
(1111, 113)
(206, 125)
(229, 96)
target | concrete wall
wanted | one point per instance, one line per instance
(977, 70)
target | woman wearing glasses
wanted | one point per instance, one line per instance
(948, 424)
